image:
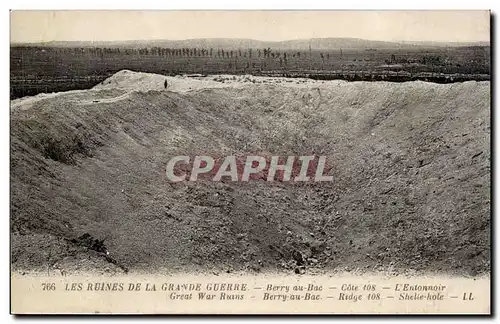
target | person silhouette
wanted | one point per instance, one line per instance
(165, 84)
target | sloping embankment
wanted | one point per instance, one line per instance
(411, 167)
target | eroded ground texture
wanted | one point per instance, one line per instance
(410, 161)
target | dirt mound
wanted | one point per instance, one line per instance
(140, 81)
(411, 167)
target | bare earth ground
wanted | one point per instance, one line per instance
(411, 167)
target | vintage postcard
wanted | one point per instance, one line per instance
(250, 162)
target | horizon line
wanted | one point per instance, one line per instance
(252, 39)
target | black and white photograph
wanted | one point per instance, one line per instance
(297, 144)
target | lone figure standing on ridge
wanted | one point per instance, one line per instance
(166, 83)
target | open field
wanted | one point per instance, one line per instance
(51, 69)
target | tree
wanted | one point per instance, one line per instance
(267, 52)
(393, 59)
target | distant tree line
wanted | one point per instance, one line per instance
(181, 52)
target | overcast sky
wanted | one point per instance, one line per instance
(453, 26)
